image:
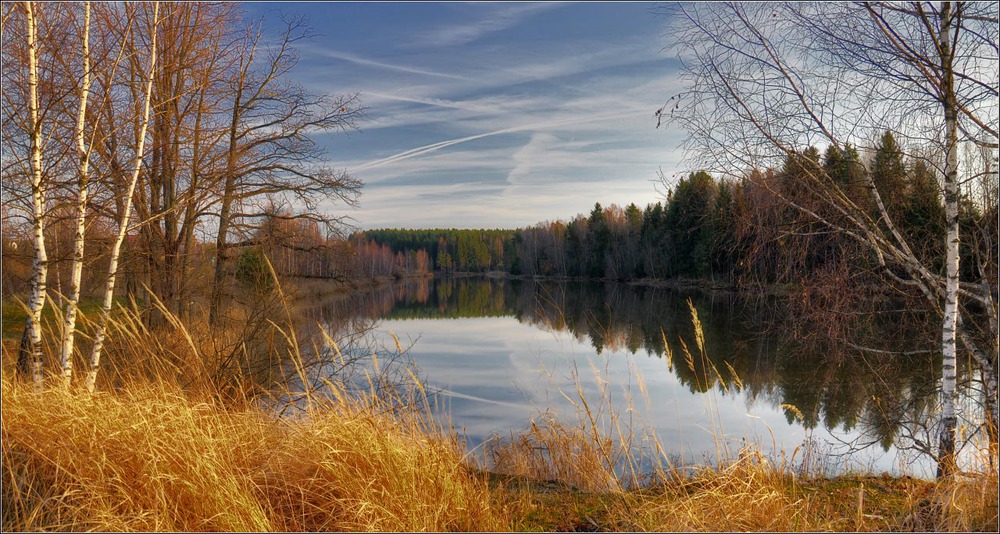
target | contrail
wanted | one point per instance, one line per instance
(372, 63)
(449, 393)
(413, 152)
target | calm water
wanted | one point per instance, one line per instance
(500, 353)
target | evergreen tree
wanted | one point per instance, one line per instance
(689, 209)
(600, 239)
(923, 217)
(889, 174)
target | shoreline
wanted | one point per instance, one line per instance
(355, 467)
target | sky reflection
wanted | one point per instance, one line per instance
(497, 374)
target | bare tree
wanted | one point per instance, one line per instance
(126, 215)
(69, 327)
(180, 184)
(269, 152)
(766, 80)
(231, 133)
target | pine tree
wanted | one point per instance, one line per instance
(889, 174)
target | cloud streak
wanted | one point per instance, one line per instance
(359, 60)
(419, 151)
(474, 117)
(492, 21)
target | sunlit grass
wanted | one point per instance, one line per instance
(149, 458)
(168, 446)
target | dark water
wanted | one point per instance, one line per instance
(500, 353)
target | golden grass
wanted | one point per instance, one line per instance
(752, 496)
(163, 448)
(552, 451)
(148, 458)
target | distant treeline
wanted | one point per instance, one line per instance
(735, 232)
(450, 249)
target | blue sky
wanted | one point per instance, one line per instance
(492, 114)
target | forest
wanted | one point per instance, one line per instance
(735, 233)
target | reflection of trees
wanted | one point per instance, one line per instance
(341, 353)
(820, 382)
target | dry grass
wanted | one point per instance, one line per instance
(744, 496)
(164, 447)
(149, 458)
(552, 451)
(751, 495)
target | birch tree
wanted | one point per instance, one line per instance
(765, 81)
(126, 214)
(76, 269)
(38, 196)
(33, 155)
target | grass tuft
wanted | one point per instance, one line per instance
(149, 458)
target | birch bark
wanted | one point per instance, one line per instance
(41, 262)
(949, 421)
(76, 268)
(123, 223)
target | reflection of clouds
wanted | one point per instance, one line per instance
(498, 374)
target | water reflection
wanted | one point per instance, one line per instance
(512, 349)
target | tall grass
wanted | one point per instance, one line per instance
(174, 441)
(150, 458)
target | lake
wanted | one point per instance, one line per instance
(501, 353)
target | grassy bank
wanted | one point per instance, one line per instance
(174, 441)
(151, 457)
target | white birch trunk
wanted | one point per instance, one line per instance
(76, 269)
(949, 421)
(41, 262)
(109, 288)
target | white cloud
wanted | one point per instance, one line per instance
(527, 157)
(507, 134)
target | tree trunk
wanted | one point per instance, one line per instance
(41, 262)
(221, 243)
(69, 328)
(949, 421)
(109, 288)
(225, 212)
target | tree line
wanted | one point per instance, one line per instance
(734, 232)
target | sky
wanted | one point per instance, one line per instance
(491, 115)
